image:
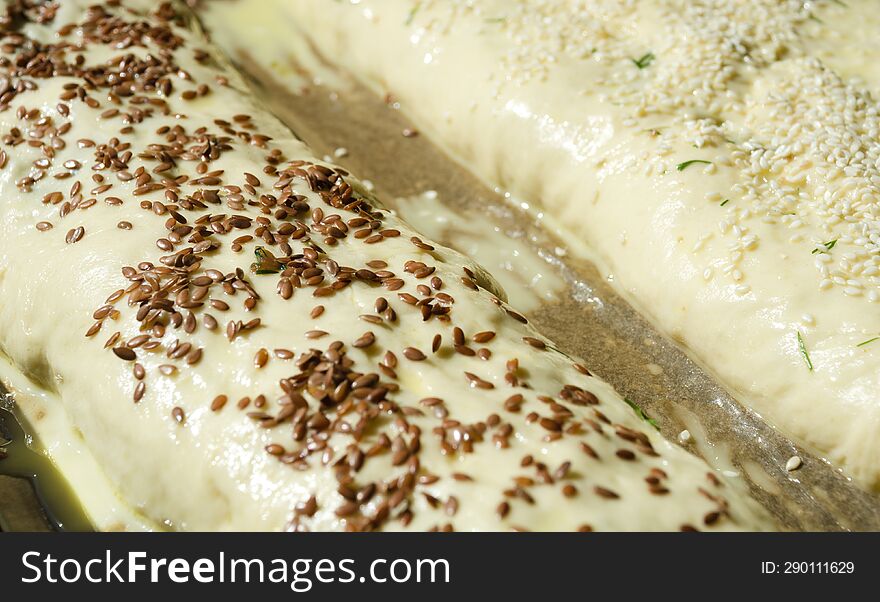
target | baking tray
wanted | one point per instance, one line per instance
(33, 496)
(588, 320)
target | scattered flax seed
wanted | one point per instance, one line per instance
(605, 493)
(261, 357)
(124, 353)
(365, 340)
(112, 340)
(75, 235)
(274, 449)
(536, 343)
(582, 369)
(476, 381)
(294, 225)
(513, 403)
(194, 356)
(550, 424)
(413, 354)
(483, 337)
(218, 403)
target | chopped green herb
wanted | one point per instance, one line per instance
(641, 413)
(686, 164)
(828, 246)
(266, 262)
(803, 349)
(496, 19)
(412, 13)
(724, 202)
(868, 342)
(644, 61)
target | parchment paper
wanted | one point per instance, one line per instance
(590, 320)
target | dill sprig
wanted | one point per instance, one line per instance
(412, 13)
(684, 165)
(641, 413)
(828, 246)
(803, 349)
(644, 61)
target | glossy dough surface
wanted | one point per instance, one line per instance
(240, 340)
(719, 158)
